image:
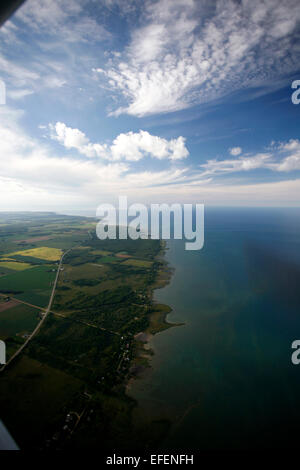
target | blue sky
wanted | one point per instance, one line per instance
(162, 101)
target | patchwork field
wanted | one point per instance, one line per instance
(79, 359)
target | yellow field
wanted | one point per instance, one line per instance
(14, 265)
(138, 262)
(85, 225)
(42, 252)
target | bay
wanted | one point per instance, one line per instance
(225, 379)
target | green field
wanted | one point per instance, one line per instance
(33, 285)
(39, 277)
(109, 259)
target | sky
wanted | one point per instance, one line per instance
(183, 101)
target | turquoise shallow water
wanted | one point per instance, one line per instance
(225, 378)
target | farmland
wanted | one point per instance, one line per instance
(14, 265)
(42, 252)
(32, 285)
(84, 353)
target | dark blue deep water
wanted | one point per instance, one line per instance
(225, 379)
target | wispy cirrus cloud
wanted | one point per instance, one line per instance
(280, 157)
(188, 52)
(47, 46)
(243, 163)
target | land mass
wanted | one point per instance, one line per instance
(75, 314)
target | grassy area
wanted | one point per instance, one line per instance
(84, 271)
(100, 252)
(19, 320)
(158, 319)
(37, 297)
(109, 259)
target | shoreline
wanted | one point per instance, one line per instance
(158, 323)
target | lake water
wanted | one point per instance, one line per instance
(225, 378)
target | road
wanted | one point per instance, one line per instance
(48, 309)
(23, 302)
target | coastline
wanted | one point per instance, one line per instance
(158, 323)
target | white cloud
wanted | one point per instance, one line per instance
(183, 54)
(289, 163)
(70, 138)
(235, 151)
(292, 159)
(291, 145)
(33, 176)
(132, 146)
